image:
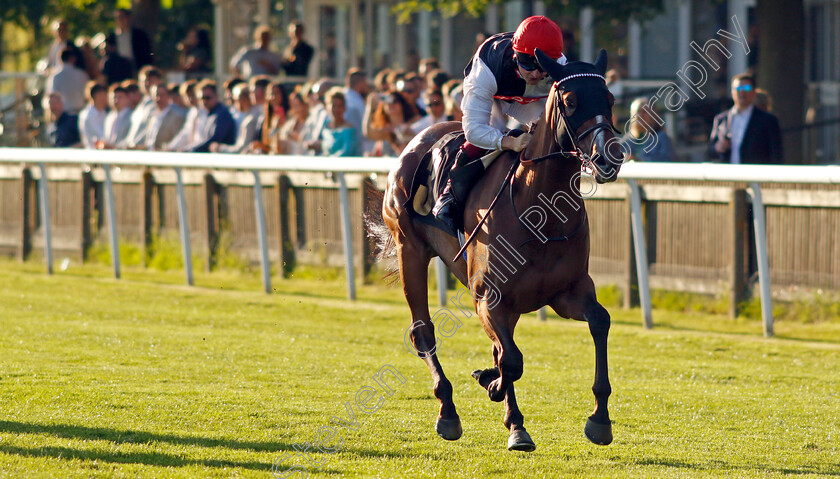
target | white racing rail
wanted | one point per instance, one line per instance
(631, 172)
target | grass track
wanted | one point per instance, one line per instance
(146, 378)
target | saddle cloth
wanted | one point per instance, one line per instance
(433, 171)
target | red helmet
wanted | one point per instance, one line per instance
(538, 32)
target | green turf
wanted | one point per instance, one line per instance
(144, 377)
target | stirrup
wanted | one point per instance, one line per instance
(445, 212)
(443, 205)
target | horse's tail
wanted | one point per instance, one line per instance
(385, 246)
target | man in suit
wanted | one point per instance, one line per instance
(745, 134)
(166, 121)
(114, 66)
(218, 126)
(132, 43)
(299, 53)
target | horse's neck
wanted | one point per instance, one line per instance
(549, 177)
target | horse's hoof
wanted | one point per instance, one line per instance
(495, 390)
(598, 433)
(486, 376)
(520, 440)
(449, 429)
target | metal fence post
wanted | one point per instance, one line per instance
(45, 217)
(112, 220)
(641, 252)
(185, 228)
(347, 236)
(261, 234)
(763, 263)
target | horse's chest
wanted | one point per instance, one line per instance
(538, 274)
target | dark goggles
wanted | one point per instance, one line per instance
(527, 62)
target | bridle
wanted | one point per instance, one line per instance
(601, 123)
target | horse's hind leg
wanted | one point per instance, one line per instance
(414, 271)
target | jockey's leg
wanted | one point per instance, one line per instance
(466, 171)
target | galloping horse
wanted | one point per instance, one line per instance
(533, 250)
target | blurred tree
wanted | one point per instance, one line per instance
(167, 21)
(605, 10)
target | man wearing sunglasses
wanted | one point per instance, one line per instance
(744, 133)
(503, 79)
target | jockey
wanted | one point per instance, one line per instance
(502, 79)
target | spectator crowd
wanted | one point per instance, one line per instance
(113, 97)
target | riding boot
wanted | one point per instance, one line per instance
(449, 207)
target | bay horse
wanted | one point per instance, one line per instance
(533, 250)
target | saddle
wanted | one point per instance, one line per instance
(433, 171)
(431, 176)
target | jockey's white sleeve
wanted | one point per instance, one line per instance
(477, 105)
(484, 116)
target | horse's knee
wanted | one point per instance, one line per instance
(599, 320)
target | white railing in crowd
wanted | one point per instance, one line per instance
(630, 172)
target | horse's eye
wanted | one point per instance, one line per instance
(570, 103)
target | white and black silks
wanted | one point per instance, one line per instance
(494, 89)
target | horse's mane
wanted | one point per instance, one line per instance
(544, 140)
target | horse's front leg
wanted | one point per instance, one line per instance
(519, 439)
(598, 427)
(585, 307)
(499, 326)
(414, 271)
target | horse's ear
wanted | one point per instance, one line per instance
(549, 65)
(601, 62)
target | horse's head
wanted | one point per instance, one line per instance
(581, 114)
